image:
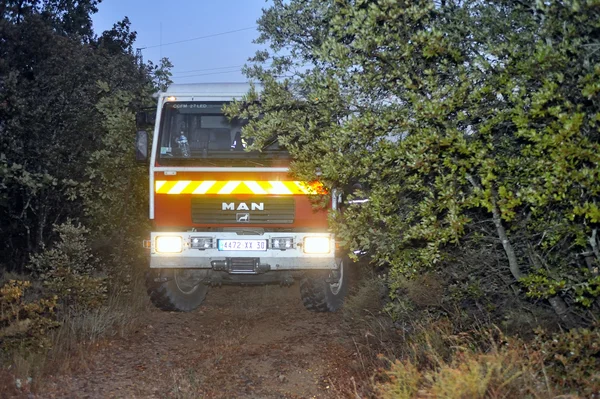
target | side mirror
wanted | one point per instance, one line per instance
(141, 146)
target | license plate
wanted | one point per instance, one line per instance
(242, 245)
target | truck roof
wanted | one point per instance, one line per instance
(212, 89)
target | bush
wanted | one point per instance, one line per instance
(70, 271)
(484, 363)
(366, 300)
(25, 324)
(469, 375)
(572, 359)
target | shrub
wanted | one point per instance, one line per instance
(70, 271)
(469, 375)
(572, 359)
(25, 324)
(439, 364)
(403, 383)
(484, 363)
(366, 300)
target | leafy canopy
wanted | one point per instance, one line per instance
(471, 122)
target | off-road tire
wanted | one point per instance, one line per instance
(167, 295)
(319, 296)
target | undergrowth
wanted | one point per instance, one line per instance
(69, 301)
(428, 351)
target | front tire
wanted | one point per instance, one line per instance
(320, 294)
(177, 290)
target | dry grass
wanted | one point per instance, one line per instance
(186, 384)
(502, 373)
(78, 330)
(468, 367)
(426, 355)
(365, 301)
(120, 314)
(425, 290)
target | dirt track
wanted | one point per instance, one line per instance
(244, 342)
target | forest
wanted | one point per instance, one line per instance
(472, 127)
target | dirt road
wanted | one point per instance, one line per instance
(244, 342)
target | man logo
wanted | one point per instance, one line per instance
(242, 217)
(242, 206)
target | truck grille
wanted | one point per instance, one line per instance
(256, 210)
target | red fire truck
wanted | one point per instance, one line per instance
(224, 215)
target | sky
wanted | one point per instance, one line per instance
(166, 22)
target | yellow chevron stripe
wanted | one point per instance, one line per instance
(165, 187)
(174, 187)
(264, 185)
(217, 187)
(229, 187)
(158, 185)
(191, 187)
(204, 186)
(255, 187)
(179, 187)
(278, 187)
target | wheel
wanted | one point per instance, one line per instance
(175, 289)
(325, 292)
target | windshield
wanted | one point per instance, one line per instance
(198, 132)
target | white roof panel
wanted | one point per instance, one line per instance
(212, 89)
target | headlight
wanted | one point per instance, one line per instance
(168, 244)
(316, 245)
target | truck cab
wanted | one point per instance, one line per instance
(224, 215)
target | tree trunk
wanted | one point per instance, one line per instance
(42, 220)
(513, 264)
(557, 303)
(562, 311)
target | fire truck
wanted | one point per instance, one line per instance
(224, 215)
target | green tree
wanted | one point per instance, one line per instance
(161, 74)
(50, 66)
(115, 194)
(472, 123)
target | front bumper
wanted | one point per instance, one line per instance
(270, 259)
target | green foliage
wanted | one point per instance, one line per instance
(49, 122)
(67, 105)
(162, 74)
(69, 270)
(115, 192)
(541, 286)
(472, 123)
(25, 324)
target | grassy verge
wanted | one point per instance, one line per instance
(428, 354)
(52, 340)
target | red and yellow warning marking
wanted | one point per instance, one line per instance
(236, 187)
